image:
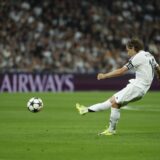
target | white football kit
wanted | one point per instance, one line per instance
(143, 64)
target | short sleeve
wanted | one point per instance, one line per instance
(133, 62)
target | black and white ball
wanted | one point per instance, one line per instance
(35, 104)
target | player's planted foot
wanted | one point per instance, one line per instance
(81, 109)
(107, 132)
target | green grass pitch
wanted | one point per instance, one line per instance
(58, 132)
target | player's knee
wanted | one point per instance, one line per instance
(114, 103)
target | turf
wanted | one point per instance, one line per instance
(59, 133)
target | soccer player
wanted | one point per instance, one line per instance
(144, 65)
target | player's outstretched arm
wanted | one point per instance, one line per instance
(115, 73)
(157, 70)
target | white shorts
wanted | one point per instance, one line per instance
(128, 94)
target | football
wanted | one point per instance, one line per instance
(35, 104)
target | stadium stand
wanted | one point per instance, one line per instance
(68, 36)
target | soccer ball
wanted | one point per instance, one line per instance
(35, 104)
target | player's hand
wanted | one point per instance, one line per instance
(100, 76)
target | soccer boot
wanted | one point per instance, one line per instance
(107, 132)
(81, 109)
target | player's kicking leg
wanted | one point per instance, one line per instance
(94, 108)
(115, 114)
(81, 109)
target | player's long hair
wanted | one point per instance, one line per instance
(136, 44)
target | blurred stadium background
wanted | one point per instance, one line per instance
(72, 37)
(60, 45)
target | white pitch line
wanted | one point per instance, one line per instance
(142, 108)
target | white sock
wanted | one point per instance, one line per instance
(100, 106)
(114, 117)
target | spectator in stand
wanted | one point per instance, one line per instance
(74, 36)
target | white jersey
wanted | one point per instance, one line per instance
(144, 64)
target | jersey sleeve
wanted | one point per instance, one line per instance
(133, 62)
